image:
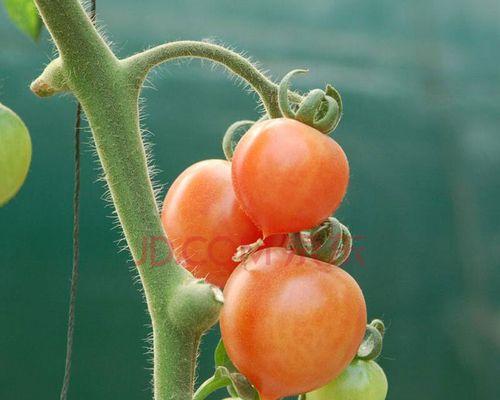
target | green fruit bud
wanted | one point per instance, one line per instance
(361, 380)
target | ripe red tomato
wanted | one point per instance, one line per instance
(278, 240)
(204, 222)
(291, 324)
(288, 176)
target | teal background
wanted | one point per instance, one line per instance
(421, 84)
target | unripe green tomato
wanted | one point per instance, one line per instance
(15, 153)
(361, 380)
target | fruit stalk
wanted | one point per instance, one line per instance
(141, 63)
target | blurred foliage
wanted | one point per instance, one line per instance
(24, 14)
(421, 89)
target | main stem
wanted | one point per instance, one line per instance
(108, 89)
(101, 84)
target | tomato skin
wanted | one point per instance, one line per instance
(288, 176)
(204, 222)
(361, 380)
(15, 153)
(291, 324)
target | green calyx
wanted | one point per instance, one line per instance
(321, 109)
(329, 242)
(371, 346)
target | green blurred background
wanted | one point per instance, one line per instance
(421, 85)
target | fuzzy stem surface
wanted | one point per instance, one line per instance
(102, 85)
(140, 64)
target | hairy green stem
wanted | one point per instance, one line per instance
(102, 85)
(140, 64)
(108, 89)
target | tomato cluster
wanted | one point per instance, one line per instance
(290, 323)
(284, 177)
(205, 223)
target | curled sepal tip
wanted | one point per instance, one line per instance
(330, 242)
(284, 105)
(232, 135)
(371, 346)
(330, 91)
(320, 109)
(379, 325)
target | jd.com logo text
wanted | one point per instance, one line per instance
(217, 251)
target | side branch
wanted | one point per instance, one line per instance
(140, 64)
(53, 80)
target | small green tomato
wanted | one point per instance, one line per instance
(361, 380)
(15, 153)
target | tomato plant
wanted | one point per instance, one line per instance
(288, 176)
(291, 323)
(15, 153)
(361, 380)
